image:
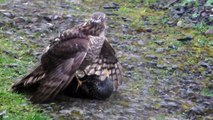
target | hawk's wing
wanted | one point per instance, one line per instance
(107, 60)
(31, 79)
(59, 63)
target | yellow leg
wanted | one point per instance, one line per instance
(79, 83)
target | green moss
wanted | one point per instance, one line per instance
(152, 90)
(2, 1)
(161, 117)
(126, 37)
(149, 2)
(185, 2)
(124, 103)
(209, 3)
(201, 27)
(206, 92)
(135, 15)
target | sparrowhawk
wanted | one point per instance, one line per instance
(81, 48)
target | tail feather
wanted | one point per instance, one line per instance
(31, 79)
(115, 71)
(50, 88)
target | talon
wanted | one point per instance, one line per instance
(79, 83)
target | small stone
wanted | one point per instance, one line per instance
(169, 104)
(141, 42)
(152, 57)
(7, 14)
(159, 50)
(124, 19)
(174, 66)
(2, 113)
(19, 19)
(197, 110)
(209, 71)
(35, 19)
(187, 38)
(180, 23)
(56, 17)
(65, 111)
(179, 10)
(68, 16)
(209, 32)
(159, 42)
(111, 6)
(161, 66)
(130, 67)
(148, 30)
(50, 25)
(172, 47)
(171, 22)
(122, 118)
(8, 33)
(148, 106)
(125, 28)
(204, 64)
(12, 65)
(111, 13)
(48, 18)
(174, 55)
(171, 2)
(151, 64)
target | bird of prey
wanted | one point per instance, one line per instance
(92, 87)
(81, 48)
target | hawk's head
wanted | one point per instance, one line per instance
(98, 18)
(95, 25)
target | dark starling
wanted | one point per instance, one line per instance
(91, 88)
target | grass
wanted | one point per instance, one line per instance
(149, 2)
(135, 15)
(184, 2)
(2, 1)
(207, 92)
(14, 60)
(209, 3)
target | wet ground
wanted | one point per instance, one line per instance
(167, 67)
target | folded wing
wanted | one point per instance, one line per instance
(57, 69)
(107, 60)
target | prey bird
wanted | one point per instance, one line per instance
(81, 48)
(92, 87)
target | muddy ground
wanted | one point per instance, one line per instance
(167, 61)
